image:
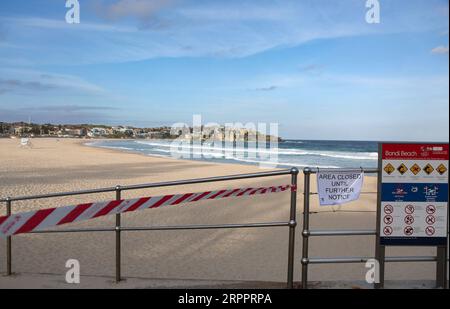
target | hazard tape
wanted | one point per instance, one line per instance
(42, 219)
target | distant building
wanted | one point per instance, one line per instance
(97, 132)
(75, 132)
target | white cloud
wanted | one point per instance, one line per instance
(440, 50)
(137, 30)
(29, 81)
(141, 9)
(61, 25)
(401, 84)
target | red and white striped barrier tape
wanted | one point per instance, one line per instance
(42, 219)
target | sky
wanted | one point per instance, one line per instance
(315, 67)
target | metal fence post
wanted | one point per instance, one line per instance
(441, 267)
(118, 238)
(292, 226)
(380, 250)
(8, 242)
(305, 232)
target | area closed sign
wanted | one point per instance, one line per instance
(337, 188)
(414, 194)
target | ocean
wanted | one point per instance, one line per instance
(289, 153)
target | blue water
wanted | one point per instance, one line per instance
(289, 153)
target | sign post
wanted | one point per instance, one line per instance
(413, 200)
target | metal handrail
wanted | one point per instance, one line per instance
(315, 170)
(150, 185)
(307, 232)
(360, 259)
(341, 232)
(168, 228)
(118, 229)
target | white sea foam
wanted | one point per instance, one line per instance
(273, 151)
(214, 151)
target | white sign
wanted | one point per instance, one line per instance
(337, 188)
(414, 194)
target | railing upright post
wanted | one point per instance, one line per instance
(292, 226)
(8, 242)
(118, 238)
(305, 232)
(441, 267)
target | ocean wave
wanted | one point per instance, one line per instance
(235, 158)
(274, 151)
(291, 164)
(245, 160)
(295, 157)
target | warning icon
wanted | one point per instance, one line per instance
(402, 169)
(389, 169)
(387, 230)
(388, 220)
(408, 231)
(409, 209)
(431, 209)
(428, 169)
(430, 219)
(388, 209)
(441, 169)
(409, 219)
(415, 169)
(430, 231)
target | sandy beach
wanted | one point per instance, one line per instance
(243, 254)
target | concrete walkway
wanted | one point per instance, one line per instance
(57, 281)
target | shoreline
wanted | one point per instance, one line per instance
(128, 151)
(118, 150)
(240, 161)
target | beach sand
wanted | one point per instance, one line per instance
(233, 254)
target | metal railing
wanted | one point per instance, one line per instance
(118, 228)
(307, 233)
(291, 224)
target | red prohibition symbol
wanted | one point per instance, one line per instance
(408, 231)
(430, 231)
(409, 209)
(387, 230)
(430, 220)
(388, 219)
(409, 219)
(388, 209)
(431, 209)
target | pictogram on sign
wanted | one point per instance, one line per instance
(441, 169)
(409, 219)
(428, 169)
(402, 169)
(415, 169)
(387, 230)
(430, 230)
(388, 209)
(388, 219)
(430, 219)
(409, 230)
(431, 209)
(409, 209)
(389, 169)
